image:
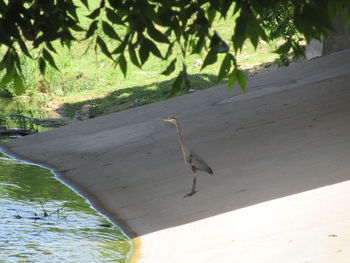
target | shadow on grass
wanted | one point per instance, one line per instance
(126, 98)
(130, 97)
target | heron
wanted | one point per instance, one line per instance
(193, 160)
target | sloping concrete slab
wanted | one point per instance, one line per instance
(280, 155)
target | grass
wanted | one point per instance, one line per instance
(88, 83)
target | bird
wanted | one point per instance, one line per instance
(193, 160)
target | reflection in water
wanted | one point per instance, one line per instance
(43, 220)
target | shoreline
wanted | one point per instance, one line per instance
(121, 225)
(280, 149)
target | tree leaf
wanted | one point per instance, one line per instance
(17, 62)
(215, 39)
(49, 46)
(102, 3)
(109, 31)
(225, 66)
(85, 2)
(298, 50)
(170, 68)
(133, 56)
(91, 30)
(239, 32)
(77, 28)
(144, 52)
(123, 64)
(185, 78)
(177, 30)
(18, 83)
(121, 48)
(7, 77)
(94, 13)
(200, 45)
(254, 30)
(72, 9)
(103, 47)
(23, 47)
(113, 17)
(254, 38)
(177, 85)
(47, 56)
(181, 82)
(4, 37)
(247, 26)
(283, 49)
(219, 45)
(211, 12)
(225, 6)
(148, 46)
(116, 4)
(170, 50)
(153, 48)
(7, 61)
(157, 35)
(242, 80)
(10, 27)
(232, 79)
(210, 58)
(42, 65)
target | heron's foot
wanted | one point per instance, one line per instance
(190, 194)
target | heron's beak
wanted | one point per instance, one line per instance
(163, 119)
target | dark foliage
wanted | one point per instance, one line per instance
(35, 24)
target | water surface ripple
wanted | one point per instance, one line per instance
(43, 220)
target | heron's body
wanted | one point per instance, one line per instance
(194, 161)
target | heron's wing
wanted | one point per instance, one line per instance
(199, 164)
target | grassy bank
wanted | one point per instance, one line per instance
(88, 83)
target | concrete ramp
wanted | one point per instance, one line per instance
(280, 155)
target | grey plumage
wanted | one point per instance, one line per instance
(193, 160)
(198, 163)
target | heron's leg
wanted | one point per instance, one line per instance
(193, 191)
(194, 183)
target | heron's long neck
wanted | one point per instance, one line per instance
(182, 143)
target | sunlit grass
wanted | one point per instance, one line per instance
(89, 78)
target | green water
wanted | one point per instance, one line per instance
(13, 106)
(8, 108)
(43, 220)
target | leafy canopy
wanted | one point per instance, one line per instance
(27, 25)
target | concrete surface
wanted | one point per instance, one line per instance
(281, 161)
(313, 49)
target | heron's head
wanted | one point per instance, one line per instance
(170, 119)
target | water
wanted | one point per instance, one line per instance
(43, 220)
(9, 107)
